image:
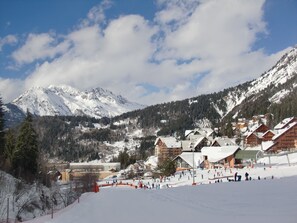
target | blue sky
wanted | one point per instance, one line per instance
(148, 51)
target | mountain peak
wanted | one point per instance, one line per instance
(67, 100)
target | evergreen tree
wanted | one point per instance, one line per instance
(229, 130)
(9, 146)
(167, 168)
(26, 152)
(2, 140)
(124, 159)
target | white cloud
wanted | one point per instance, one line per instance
(112, 58)
(191, 47)
(10, 88)
(39, 46)
(9, 39)
(96, 14)
(216, 29)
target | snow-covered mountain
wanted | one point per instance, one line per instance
(67, 101)
(275, 92)
(270, 83)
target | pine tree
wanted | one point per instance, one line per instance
(2, 134)
(229, 130)
(26, 152)
(9, 146)
(167, 167)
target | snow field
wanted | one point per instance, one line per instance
(258, 201)
(271, 199)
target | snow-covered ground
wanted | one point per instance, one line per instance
(247, 201)
(270, 199)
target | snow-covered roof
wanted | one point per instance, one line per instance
(224, 141)
(255, 127)
(170, 142)
(216, 153)
(193, 142)
(188, 158)
(186, 145)
(206, 132)
(152, 161)
(283, 130)
(203, 131)
(258, 147)
(267, 145)
(198, 141)
(187, 132)
(283, 123)
(257, 134)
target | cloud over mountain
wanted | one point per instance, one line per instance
(189, 48)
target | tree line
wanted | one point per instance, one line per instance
(19, 152)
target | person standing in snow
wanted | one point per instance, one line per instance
(235, 176)
(246, 176)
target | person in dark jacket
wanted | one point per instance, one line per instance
(246, 176)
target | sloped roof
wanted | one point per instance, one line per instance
(194, 137)
(203, 131)
(188, 145)
(267, 145)
(217, 153)
(269, 130)
(254, 128)
(198, 141)
(187, 132)
(283, 123)
(206, 132)
(257, 147)
(188, 158)
(282, 131)
(257, 134)
(224, 141)
(170, 142)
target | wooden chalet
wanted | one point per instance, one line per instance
(167, 148)
(268, 135)
(254, 137)
(285, 139)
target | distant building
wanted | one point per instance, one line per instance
(77, 171)
(215, 156)
(167, 148)
(194, 143)
(206, 132)
(284, 123)
(268, 135)
(282, 138)
(223, 141)
(187, 160)
(255, 135)
(285, 139)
